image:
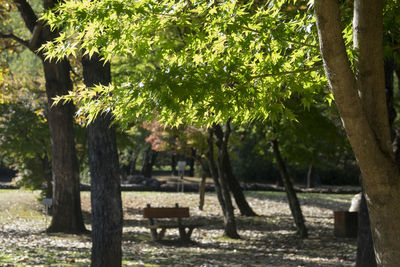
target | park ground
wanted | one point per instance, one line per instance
(267, 240)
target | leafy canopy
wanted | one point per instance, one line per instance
(196, 62)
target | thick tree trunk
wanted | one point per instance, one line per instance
(365, 249)
(290, 193)
(105, 180)
(67, 213)
(361, 101)
(226, 168)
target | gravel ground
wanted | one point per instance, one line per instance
(266, 240)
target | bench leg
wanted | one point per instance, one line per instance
(157, 236)
(185, 235)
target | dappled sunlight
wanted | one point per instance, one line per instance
(267, 240)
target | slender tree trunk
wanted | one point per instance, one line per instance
(202, 187)
(361, 102)
(226, 168)
(229, 216)
(149, 160)
(173, 165)
(291, 194)
(67, 213)
(214, 170)
(310, 176)
(191, 162)
(105, 180)
(46, 165)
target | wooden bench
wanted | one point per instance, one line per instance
(185, 230)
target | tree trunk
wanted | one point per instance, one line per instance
(105, 180)
(290, 193)
(226, 168)
(191, 162)
(229, 216)
(361, 102)
(67, 213)
(214, 170)
(310, 176)
(365, 246)
(202, 189)
(173, 165)
(365, 249)
(149, 160)
(222, 188)
(46, 165)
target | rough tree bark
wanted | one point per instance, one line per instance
(67, 213)
(290, 193)
(104, 171)
(361, 102)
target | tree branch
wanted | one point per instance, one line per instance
(15, 38)
(285, 72)
(283, 39)
(27, 13)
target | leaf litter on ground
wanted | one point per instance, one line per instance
(267, 240)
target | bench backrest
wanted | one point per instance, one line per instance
(165, 212)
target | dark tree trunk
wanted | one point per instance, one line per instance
(214, 170)
(291, 194)
(191, 162)
(105, 180)
(149, 160)
(310, 176)
(173, 165)
(229, 216)
(46, 165)
(67, 213)
(365, 246)
(225, 167)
